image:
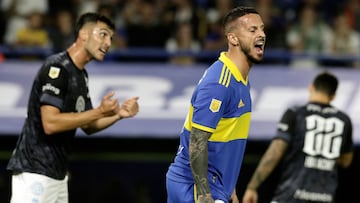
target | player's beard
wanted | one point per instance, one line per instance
(246, 50)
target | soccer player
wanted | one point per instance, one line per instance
(59, 103)
(312, 141)
(213, 139)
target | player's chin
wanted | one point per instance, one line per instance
(257, 58)
(99, 57)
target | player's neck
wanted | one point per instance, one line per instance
(320, 98)
(240, 60)
(78, 55)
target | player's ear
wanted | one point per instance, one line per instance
(83, 34)
(332, 97)
(232, 39)
(311, 87)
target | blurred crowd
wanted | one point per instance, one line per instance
(305, 28)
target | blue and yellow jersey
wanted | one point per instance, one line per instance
(220, 104)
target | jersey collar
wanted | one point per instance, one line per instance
(233, 69)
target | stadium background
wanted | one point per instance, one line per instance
(128, 161)
(130, 166)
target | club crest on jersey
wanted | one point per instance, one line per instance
(80, 104)
(215, 105)
(54, 72)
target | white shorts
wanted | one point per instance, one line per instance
(36, 188)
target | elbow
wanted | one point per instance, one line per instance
(345, 160)
(88, 130)
(49, 129)
(345, 164)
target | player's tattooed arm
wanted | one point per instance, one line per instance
(267, 163)
(199, 160)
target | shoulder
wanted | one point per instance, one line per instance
(59, 60)
(216, 76)
(344, 116)
(296, 108)
(55, 65)
(292, 112)
(215, 70)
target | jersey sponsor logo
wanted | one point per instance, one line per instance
(319, 163)
(215, 105)
(51, 88)
(312, 196)
(54, 72)
(241, 104)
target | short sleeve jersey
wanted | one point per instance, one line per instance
(220, 104)
(61, 84)
(317, 135)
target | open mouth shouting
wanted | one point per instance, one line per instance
(259, 46)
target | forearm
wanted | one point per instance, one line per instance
(199, 160)
(127, 110)
(54, 121)
(234, 198)
(100, 124)
(267, 164)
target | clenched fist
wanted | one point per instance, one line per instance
(129, 108)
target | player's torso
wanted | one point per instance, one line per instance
(227, 143)
(77, 99)
(311, 171)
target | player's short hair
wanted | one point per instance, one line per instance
(234, 14)
(326, 82)
(92, 18)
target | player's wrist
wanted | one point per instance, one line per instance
(100, 112)
(119, 117)
(251, 187)
(204, 196)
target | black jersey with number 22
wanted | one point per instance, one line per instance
(317, 135)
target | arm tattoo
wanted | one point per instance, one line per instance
(206, 199)
(199, 159)
(267, 164)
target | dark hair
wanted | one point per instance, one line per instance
(92, 18)
(235, 13)
(326, 82)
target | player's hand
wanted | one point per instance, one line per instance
(207, 198)
(129, 108)
(234, 198)
(250, 196)
(109, 106)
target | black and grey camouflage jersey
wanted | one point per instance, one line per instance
(61, 84)
(317, 135)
